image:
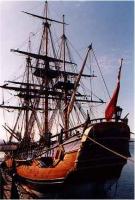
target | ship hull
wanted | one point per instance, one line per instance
(84, 160)
(103, 157)
(80, 176)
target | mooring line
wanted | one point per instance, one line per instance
(114, 152)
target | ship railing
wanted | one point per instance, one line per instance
(74, 131)
(50, 151)
(125, 120)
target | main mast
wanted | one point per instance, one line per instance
(46, 26)
(28, 60)
(66, 120)
(27, 99)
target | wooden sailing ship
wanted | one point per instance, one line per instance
(77, 147)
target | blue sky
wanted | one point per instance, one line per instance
(108, 25)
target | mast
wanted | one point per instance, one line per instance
(66, 120)
(45, 128)
(27, 102)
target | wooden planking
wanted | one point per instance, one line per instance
(34, 172)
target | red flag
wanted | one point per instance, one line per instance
(111, 107)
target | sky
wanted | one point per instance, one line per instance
(108, 25)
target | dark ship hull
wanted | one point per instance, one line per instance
(83, 159)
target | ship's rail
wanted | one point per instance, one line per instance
(125, 120)
(74, 132)
(60, 138)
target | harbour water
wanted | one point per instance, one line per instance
(120, 189)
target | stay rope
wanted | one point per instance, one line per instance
(101, 74)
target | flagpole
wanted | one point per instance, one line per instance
(119, 74)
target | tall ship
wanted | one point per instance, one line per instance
(57, 138)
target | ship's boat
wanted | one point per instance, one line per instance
(73, 145)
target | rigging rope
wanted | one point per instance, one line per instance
(108, 149)
(101, 74)
(97, 65)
